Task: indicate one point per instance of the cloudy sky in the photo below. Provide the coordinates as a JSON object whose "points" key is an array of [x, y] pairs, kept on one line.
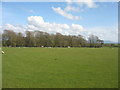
{"points": [[68, 18]]}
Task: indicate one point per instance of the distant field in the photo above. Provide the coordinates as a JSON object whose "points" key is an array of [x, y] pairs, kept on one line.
{"points": [[60, 68]]}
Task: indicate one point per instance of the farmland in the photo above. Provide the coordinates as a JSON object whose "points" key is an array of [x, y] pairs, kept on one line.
{"points": [[60, 68]]}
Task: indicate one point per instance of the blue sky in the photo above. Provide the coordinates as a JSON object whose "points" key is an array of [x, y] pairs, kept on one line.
{"points": [[105, 14], [100, 20]]}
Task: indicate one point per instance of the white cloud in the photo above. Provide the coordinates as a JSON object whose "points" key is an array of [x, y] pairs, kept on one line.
{"points": [[105, 33], [16, 28], [74, 6], [35, 20], [71, 8], [76, 27], [88, 3], [31, 27], [31, 11], [65, 13], [38, 23]]}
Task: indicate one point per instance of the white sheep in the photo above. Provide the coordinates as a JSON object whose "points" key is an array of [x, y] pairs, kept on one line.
{"points": [[3, 52], [68, 46]]}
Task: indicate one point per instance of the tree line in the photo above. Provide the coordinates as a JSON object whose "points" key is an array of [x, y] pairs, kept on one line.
{"points": [[44, 39]]}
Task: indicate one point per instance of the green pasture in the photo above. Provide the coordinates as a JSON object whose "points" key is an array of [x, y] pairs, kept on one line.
{"points": [[60, 68]]}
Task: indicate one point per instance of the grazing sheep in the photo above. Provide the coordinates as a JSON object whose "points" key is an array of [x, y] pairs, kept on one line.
{"points": [[3, 52], [68, 46]]}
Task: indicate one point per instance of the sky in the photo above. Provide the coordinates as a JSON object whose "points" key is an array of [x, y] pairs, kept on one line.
{"points": [[67, 18]]}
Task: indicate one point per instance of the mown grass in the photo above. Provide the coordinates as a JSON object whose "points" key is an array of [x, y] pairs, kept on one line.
{"points": [[60, 68]]}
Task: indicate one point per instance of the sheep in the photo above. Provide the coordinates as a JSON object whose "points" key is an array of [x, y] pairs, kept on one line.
{"points": [[3, 52], [68, 46]]}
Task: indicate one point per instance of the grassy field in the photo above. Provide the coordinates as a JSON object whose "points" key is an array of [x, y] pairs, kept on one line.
{"points": [[60, 68]]}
